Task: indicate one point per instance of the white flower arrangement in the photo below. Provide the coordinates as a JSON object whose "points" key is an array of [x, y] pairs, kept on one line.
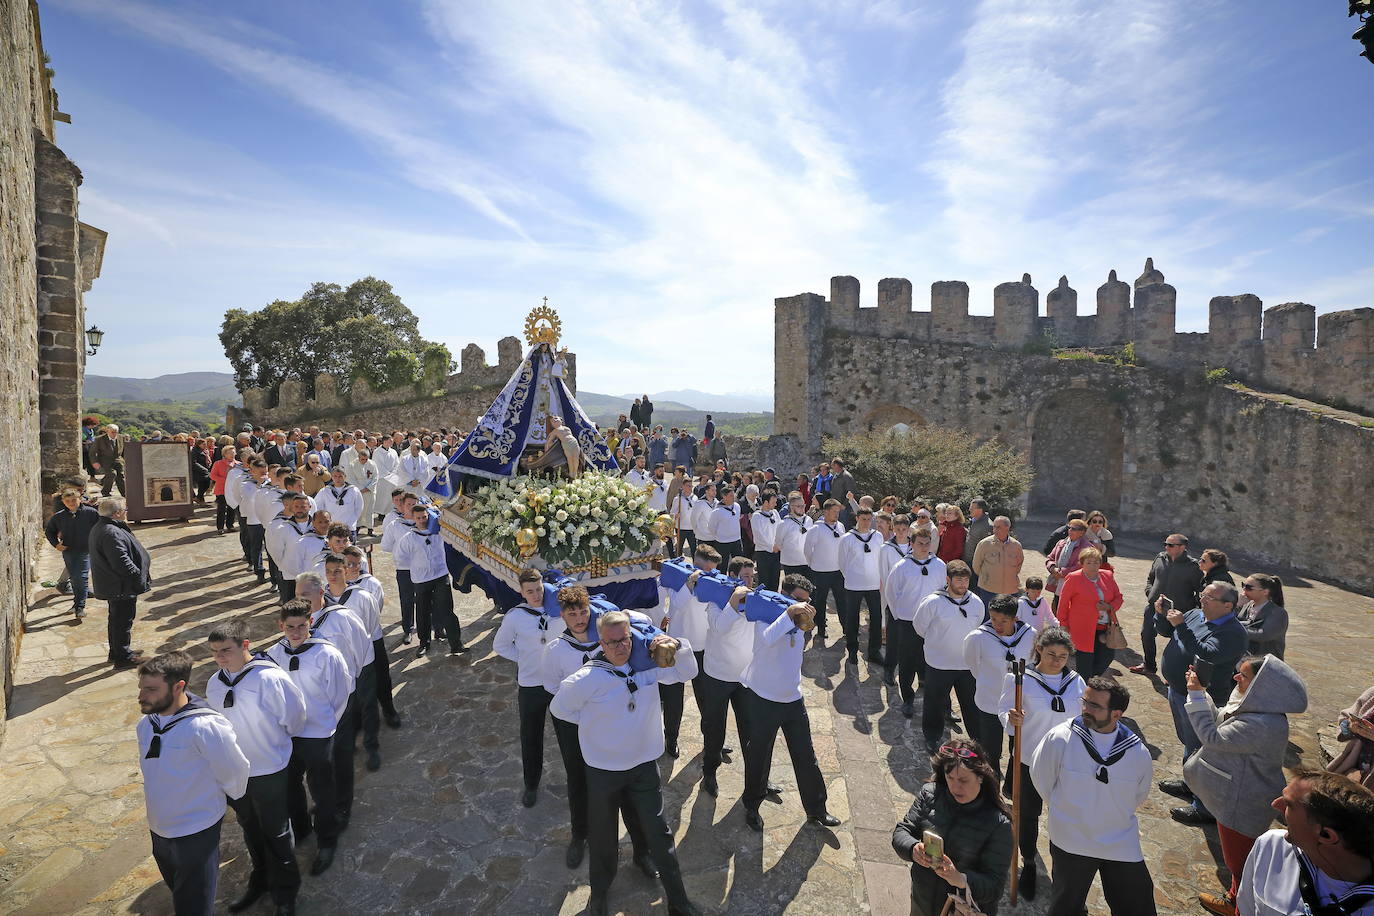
{"points": [[579, 529]]}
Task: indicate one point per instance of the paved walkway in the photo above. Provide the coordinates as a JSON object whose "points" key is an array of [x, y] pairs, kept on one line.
{"points": [[440, 829]]}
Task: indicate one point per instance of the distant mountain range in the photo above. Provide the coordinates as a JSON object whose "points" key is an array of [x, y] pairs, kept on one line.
{"points": [[181, 386]]}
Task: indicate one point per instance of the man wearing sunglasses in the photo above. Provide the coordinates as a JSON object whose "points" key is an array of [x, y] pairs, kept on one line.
{"points": [[1175, 575], [267, 710]]}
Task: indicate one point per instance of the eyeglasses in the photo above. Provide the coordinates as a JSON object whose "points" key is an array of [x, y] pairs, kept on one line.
{"points": [[616, 642], [963, 752], [1173, 544], [1248, 587]]}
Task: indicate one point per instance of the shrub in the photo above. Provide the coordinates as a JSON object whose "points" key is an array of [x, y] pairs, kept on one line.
{"points": [[1218, 376], [1044, 345], [947, 465]]}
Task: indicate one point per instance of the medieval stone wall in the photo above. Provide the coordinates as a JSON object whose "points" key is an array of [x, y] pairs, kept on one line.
{"points": [[1155, 446]]}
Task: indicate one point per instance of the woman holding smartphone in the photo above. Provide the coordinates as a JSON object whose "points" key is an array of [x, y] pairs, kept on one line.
{"points": [[957, 834]]}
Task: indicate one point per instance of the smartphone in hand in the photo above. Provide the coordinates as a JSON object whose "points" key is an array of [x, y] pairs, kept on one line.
{"points": [[935, 845], [1166, 603], [1205, 670]]}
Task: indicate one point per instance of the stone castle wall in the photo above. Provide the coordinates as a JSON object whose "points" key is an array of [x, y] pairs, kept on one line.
{"points": [[1154, 446], [465, 396]]}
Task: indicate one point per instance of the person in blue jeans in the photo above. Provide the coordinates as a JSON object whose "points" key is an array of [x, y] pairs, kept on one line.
{"points": [[69, 530], [1208, 640]]}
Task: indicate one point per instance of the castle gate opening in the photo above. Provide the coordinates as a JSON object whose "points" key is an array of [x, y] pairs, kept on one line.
{"points": [[1076, 450]]}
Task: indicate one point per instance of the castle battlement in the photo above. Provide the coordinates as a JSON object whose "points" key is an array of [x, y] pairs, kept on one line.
{"points": [[1285, 347]]}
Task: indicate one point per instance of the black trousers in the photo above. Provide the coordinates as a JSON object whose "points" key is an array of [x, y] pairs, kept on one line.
{"points": [[265, 817], [939, 682], [1090, 664], [534, 707], [344, 736], [1147, 638], [767, 564], [286, 588], [405, 590], [243, 535], [802, 570], [367, 719], [570, 749], [906, 654], [827, 584], [766, 719], [383, 670], [986, 729], [434, 611], [274, 572], [638, 787], [1032, 806], [113, 478], [1127, 885], [190, 868], [312, 766], [224, 514], [256, 540], [727, 549], [714, 698], [686, 542], [119, 627], [853, 600], [671, 698]]}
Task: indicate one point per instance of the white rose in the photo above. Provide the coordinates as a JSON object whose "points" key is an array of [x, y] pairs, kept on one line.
{"points": [[539, 519], [539, 531], [585, 510], [612, 501], [561, 515]]}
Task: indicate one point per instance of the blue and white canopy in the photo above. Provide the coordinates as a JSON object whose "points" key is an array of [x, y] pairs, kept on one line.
{"points": [[517, 419]]}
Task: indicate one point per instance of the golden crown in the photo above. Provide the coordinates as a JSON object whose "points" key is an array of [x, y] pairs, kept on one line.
{"points": [[543, 326]]}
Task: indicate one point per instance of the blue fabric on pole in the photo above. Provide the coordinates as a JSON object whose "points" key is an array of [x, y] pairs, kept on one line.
{"points": [[766, 606], [715, 588], [674, 573]]}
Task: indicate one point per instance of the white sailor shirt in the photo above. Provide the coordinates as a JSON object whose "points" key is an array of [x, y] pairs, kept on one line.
{"points": [[637, 478], [729, 642], [1037, 615], [344, 503], [859, 560], [911, 582], [523, 637], [687, 617], [422, 554], [248, 491], [393, 527], [944, 623], [233, 485], [309, 550], [823, 546], [988, 654], [373, 586], [792, 539], [658, 496], [563, 655], [282, 534], [267, 710], [889, 556], [725, 524], [683, 504], [195, 765], [1270, 883], [702, 523], [364, 607], [766, 530], [345, 632], [1047, 700], [267, 503], [774, 669], [320, 673]]}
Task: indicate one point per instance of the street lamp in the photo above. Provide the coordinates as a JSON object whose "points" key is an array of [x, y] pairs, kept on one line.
{"points": [[93, 338], [1365, 33]]}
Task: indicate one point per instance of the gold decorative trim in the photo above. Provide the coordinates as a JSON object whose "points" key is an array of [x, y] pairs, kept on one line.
{"points": [[543, 326]]}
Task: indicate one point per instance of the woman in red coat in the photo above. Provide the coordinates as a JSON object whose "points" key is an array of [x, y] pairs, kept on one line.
{"points": [[953, 534], [224, 513], [1088, 601]]}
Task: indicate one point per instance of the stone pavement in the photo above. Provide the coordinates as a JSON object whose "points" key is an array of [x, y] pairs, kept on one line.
{"points": [[440, 829]]}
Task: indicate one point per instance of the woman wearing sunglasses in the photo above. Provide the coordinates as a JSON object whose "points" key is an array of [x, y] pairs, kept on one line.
{"points": [[1264, 616], [963, 806]]}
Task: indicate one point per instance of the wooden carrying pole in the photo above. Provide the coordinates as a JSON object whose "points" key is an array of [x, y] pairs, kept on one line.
{"points": [[1018, 670]]}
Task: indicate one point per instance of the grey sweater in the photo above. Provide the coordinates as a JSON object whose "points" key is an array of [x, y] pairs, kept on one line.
{"points": [[1239, 770]]}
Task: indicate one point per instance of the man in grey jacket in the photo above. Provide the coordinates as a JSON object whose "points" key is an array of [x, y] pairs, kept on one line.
{"points": [[1175, 576], [979, 527], [120, 572]]}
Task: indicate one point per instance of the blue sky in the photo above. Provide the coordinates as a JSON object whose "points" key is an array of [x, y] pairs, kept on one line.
{"points": [[661, 171]]}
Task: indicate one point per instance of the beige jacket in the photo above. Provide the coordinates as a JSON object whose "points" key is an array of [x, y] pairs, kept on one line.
{"points": [[997, 564]]}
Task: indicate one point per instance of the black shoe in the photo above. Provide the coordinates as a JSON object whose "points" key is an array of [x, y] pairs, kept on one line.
{"points": [[406, 639], [670, 748], [771, 789], [80, 614], [529, 797], [754, 820], [908, 709], [262, 576], [874, 658], [249, 897], [420, 652], [646, 865], [324, 858], [853, 658], [460, 650], [286, 909], [374, 761], [1025, 884], [393, 719], [708, 784], [1189, 814], [686, 909], [824, 819], [596, 906], [1177, 788], [120, 664], [576, 849], [890, 677]]}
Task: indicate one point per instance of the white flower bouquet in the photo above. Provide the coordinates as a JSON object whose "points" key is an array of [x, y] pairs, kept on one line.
{"points": [[595, 515]]}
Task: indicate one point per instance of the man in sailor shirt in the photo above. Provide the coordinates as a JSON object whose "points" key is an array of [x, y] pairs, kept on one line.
{"points": [[356, 573], [910, 583], [894, 550], [1323, 863], [1033, 608], [267, 505], [397, 523], [944, 620], [345, 632], [342, 499], [421, 551], [637, 475], [1093, 773], [682, 511], [792, 537], [729, 647], [248, 489], [658, 491], [859, 572], [725, 529], [702, 522], [191, 763], [766, 529], [686, 621], [620, 730], [772, 682], [233, 490], [364, 607], [267, 710], [523, 637], [988, 651], [320, 673], [310, 547], [822, 547], [283, 533]]}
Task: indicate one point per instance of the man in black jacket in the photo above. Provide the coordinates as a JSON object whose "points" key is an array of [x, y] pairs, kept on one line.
{"points": [[1176, 576], [120, 572], [646, 412], [281, 452]]}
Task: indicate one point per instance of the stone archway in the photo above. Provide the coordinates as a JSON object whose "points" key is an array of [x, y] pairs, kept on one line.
{"points": [[886, 416], [1076, 449]]}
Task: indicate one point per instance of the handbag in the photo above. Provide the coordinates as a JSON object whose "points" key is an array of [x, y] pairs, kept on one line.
{"points": [[1113, 637], [959, 903]]}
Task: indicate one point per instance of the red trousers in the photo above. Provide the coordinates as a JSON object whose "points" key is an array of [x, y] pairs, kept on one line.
{"points": [[1235, 849]]}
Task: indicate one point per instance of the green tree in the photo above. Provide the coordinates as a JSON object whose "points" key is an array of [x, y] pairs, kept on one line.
{"points": [[940, 465], [345, 331]]}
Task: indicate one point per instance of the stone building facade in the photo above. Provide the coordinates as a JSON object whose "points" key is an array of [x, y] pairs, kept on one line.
{"points": [[465, 396], [49, 261], [1155, 445]]}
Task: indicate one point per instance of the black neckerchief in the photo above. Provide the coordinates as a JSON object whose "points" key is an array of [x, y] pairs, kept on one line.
{"points": [[864, 540], [232, 682], [801, 521], [1034, 605], [903, 550], [768, 514], [1354, 898], [1125, 740], [339, 498], [731, 508], [832, 529], [324, 615], [1017, 635], [297, 528], [1056, 696], [342, 600], [193, 707], [923, 564], [629, 679], [968, 596], [588, 649], [308, 644], [543, 620]]}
